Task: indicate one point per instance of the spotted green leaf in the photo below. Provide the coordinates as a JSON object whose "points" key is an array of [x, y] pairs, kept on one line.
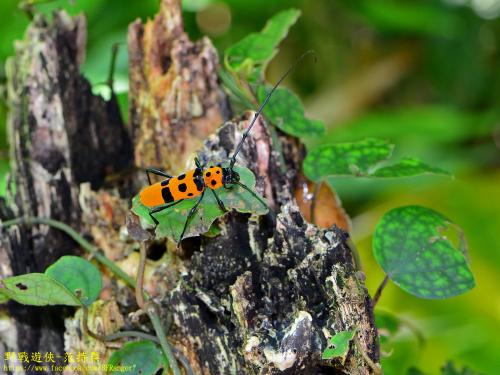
{"points": [[287, 113], [251, 54], [79, 276], [362, 159], [339, 344], [423, 252], [37, 289], [171, 220], [407, 167], [346, 159], [139, 357]]}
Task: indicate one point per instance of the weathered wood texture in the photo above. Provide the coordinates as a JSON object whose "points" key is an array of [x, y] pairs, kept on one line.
{"points": [[60, 136], [175, 97], [261, 298]]}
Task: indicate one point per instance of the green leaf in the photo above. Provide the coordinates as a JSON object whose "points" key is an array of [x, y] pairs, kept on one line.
{"points": [[37, 289], [251, 54], [413, 18], [450, 369], [79, 276], [408, 167], [414, 371], [423, 252], [362, 159], [339, 344], [171, 221], [346, 159], [139, 357], [286, 112], [3, 298]]}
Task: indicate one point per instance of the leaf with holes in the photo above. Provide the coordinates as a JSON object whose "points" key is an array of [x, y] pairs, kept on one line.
{"points": [[79, 276], [423, 252], [251, 54], [339, 344], [346, 159], [37, 289], [171, 220], [287, 113], [139, 357], [408, 167]]}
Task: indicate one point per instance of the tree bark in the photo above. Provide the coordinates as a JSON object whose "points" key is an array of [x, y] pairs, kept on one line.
{"points": [[263, 297]]}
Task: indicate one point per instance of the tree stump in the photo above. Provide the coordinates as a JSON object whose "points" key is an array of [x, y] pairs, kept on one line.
{"points": [[263, 297]]}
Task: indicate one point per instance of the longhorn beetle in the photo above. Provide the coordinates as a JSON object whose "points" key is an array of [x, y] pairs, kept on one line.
{"points": [[173, 190]]}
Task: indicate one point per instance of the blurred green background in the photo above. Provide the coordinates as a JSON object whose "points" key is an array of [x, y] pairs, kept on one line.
{"points": [[422, 74]]}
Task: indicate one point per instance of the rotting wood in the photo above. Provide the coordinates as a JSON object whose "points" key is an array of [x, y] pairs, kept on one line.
{"points": [[60, 136]]}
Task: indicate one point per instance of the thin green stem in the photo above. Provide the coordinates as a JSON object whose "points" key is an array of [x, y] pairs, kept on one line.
{"points": [[111, 74], [113, 336], [86, 245], [380, 288], [374, 366], [167, 350], [139, 294]]}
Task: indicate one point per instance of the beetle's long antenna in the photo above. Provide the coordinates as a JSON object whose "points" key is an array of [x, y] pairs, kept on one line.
{"points": [[245, 135]]}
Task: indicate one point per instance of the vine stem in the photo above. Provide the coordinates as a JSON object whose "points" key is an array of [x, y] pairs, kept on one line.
{"points": [[150, 308], [380, 288], [139, 294], [86, 245], [375, 367], [114, 336], [95, 252]]}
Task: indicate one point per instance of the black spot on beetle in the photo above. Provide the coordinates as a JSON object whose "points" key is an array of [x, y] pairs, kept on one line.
{"points": [[190, 194], [167, 195], [218, 172], [182, 187], [181, 177], [208, 174], [21, 286], [165, 182], [213, 182]]}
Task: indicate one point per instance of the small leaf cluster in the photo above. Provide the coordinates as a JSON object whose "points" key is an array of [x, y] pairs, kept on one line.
{"points": [[71, 281], [74, 281]]}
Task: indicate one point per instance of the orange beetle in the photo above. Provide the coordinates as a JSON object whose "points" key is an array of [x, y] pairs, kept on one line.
{"points": [[194, 183]]}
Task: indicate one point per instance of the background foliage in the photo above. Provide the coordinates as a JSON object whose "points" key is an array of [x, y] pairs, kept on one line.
{"points": [[421, 74]]}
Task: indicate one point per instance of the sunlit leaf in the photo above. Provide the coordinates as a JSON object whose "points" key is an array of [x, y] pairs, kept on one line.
{"points": [[37, 289], [339, 344], [140, 357], [423, 252], [79, 276], [171, 220], [252, 53], [407, 167], [285, 111], [346, 159]]}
